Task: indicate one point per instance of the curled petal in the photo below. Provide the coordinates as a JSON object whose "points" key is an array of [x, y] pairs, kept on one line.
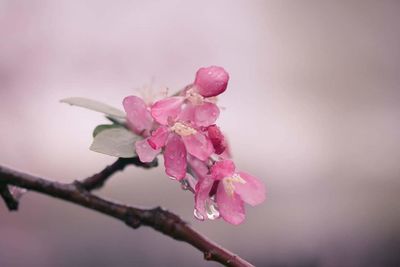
{"points": [[198, 145], [206, 114], [231, 207], [145, 152], [217, 139], [222, 169], [167, 109], [175, 157], [251, 192], [203, 188], [159, 137], [139, 117], [211, 81]]}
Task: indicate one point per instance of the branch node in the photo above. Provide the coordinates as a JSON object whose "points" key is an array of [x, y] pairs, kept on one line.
{"points": [[131, 219], [11, 202], [79, 186], [208, 255]]}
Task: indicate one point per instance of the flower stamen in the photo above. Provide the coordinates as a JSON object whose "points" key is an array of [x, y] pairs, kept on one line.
{"points": [[229, 183], [183, 129]]}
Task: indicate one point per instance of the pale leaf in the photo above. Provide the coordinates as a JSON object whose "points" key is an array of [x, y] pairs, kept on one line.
{"points": [[117, 142], [94, 105]]}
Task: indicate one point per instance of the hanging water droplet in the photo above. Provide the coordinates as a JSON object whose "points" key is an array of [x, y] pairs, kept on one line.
{"points": [[172, 178], [184, 185], [211, 210], [198, 215]]}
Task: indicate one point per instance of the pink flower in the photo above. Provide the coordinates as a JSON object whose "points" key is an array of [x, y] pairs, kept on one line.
{"points": [[233, 188], [141, 122], [200, 108], [198, 98], [179, 137]]}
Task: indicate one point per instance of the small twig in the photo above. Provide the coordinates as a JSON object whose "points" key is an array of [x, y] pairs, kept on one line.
{"points": [[157, 218], [11, 202], [97, 180]]}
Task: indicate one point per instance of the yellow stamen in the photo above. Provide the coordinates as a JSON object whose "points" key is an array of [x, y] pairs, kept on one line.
{"points": [[229, 183], [182, 129]]}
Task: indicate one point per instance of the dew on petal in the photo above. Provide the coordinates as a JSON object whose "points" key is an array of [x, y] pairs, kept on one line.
{"points": [[198, 215]]}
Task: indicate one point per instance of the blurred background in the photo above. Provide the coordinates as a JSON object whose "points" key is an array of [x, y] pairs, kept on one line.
{"points": [[313, 109]]}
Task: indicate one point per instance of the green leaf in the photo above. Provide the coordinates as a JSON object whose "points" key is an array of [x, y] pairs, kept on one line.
{"points": [[95, 105], [102, 127], [115, 141]]}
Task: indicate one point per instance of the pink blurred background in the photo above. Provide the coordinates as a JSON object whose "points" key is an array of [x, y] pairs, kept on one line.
{"points": [[313, 108]]}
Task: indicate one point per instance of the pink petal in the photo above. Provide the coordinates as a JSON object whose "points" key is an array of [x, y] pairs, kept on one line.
{"points": [[253, 191], [222, 169], [199, 167], [145, 152], [159, 137], [231, 207], [187, 114], [203, 188], [217, 139], [198, 145], [165, 109], [206, 114], [139, 117], [211, 81], [175, 157]]}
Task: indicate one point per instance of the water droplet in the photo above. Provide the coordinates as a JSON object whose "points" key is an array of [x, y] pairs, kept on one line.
{"points": [[172, 178], [211, 210], [184, 185], [198, 215]]}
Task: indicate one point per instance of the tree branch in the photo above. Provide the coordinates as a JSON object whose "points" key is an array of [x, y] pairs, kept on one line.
{"points": [[157, 218], [97, 180]]}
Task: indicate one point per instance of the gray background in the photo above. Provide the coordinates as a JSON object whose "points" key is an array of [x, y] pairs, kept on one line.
{"points": [[312, 109]]}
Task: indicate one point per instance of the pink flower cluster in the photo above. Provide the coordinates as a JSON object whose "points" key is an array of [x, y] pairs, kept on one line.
{"points": [[183, 129]]}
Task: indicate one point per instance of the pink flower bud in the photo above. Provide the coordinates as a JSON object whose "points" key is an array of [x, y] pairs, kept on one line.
{"points": [[211, 81], [217, 139]]}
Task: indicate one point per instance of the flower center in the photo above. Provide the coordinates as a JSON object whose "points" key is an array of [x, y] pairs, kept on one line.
{"points": [[182, 129], [194, 97], [229, 183]]}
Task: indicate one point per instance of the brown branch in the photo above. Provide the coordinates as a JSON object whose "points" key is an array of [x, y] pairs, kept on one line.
{"points": [[97, 180], [157, 218]]}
